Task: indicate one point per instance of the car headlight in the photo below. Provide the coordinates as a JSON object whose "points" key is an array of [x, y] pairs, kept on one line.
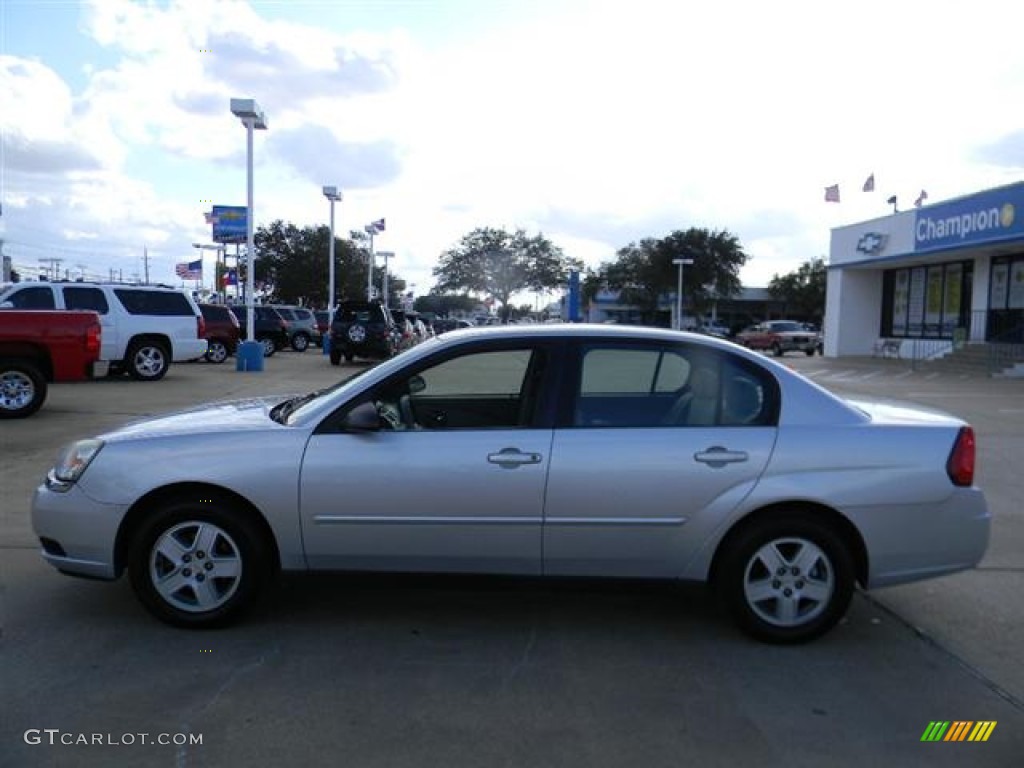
{"points": [[71, 463]]}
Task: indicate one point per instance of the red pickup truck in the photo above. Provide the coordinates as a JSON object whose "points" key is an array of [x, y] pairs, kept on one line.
{"points": [[40, 346]]}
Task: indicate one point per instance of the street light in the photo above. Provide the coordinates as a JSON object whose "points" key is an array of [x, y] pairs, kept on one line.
{"points": [[215, 247], [250, 354], [334, 195], [372, 229], [384, 280], [679, 291]]}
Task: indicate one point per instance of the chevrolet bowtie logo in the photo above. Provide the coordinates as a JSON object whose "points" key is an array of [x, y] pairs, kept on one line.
{"points": [[872, 242]]}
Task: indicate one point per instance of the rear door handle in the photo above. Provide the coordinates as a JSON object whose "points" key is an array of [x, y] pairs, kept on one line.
{"points": [[510, 458], [717, 456]]}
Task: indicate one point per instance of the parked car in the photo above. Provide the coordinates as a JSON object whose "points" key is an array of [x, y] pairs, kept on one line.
{"points": [[145, 327], [302, 329], [222, 332], [712, 328], [323, 323], [556, 450], [38, 347], [779, 337], [362, 329], [271, 330]]}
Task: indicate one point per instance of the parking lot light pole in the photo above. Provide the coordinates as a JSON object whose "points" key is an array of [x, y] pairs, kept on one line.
{"points": [[371, 230], [679, 291], [334, 195], [207, 247], [252, 117], [384, 280]]}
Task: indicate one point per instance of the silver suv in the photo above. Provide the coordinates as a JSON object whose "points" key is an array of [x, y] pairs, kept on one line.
{"points": [[144, 327], [302, 329]]}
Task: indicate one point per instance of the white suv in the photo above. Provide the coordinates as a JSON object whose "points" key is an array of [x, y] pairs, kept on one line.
{"points": [[144, 327]]}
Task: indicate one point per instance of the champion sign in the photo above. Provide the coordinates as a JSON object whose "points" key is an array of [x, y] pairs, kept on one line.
{"points": [[986, 217]]}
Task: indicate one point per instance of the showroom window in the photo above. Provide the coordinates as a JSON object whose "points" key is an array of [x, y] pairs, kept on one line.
{"points": [[924, 302]]}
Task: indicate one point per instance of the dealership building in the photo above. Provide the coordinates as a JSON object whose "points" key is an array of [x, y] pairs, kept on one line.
{"points": [[923, 281]]}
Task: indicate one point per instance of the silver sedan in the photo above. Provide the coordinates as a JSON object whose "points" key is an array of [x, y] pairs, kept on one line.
{"points": [[565, 450]]}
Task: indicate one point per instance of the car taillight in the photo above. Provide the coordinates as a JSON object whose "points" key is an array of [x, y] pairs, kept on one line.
{"points": [[960, 466], [92, 339], [200, 327]]}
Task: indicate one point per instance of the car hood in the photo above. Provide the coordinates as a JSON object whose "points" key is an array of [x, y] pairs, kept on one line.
{"points": [[226, 416], [895, 412]]}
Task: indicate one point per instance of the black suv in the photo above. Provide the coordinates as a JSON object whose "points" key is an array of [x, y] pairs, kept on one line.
{"points": [[361, 329], [271, 329]]}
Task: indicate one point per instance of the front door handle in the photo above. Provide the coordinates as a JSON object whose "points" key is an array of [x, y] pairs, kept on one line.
{"points": [[510, 458], [717, 456]]}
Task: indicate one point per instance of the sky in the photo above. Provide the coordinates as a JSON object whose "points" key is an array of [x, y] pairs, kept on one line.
{"points": [[594, 123]]}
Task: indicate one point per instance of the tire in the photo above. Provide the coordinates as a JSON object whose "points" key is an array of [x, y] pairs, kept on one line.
{"points": [[22, 389], [269, 346], [809, 352], [147, 360], [300, 342], [777, 350], [786, 579], [356, 333], [349, 357], [217, 352], [336, 357], [197, 564]]}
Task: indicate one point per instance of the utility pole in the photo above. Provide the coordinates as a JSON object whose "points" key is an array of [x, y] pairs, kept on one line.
{"points": [[145, 262]]}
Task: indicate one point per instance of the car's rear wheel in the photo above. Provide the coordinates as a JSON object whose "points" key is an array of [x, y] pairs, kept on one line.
{"points": [[300, 342], [809, 352], [776, 350], [147, 360], [786, 579], [22, 389], [217, 351], [196, 564]]}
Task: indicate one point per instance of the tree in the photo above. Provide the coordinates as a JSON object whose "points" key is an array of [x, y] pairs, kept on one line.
{"points": [[643, 272], [295, 260], [444, 304], [803, 291], [498, 264]]}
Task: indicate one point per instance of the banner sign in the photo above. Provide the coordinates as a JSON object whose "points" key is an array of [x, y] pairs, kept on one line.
{"points": [[230, 223], [986, 217]]}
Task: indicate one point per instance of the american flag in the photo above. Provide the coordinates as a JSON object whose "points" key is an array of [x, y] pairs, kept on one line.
{"points": [[189, 270]]}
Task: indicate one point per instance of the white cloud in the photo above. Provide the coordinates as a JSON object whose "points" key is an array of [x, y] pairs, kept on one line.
{"points": [[596, 122]]}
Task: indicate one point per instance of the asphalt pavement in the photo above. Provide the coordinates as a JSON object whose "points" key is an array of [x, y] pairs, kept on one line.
{"points": [[388, 671]]}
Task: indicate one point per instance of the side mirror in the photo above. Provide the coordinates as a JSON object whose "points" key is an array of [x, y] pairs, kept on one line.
{"points": [[416, 384], [362, 418]]}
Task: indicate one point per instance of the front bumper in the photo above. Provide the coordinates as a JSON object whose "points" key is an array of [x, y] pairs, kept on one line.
{"points": [[77, 533]]}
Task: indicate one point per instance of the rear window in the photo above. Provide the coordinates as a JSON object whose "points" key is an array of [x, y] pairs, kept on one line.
{"points": [[164, 303], [215, 314]]}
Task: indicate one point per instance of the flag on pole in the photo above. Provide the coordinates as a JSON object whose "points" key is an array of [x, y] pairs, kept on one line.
{"points": [[189, 270], [920, 199], [230, 277], [832, 194], [378, 225], [869, 183]]}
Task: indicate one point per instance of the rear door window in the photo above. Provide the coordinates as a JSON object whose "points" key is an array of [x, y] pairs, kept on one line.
{"points": [[84, 297], [162, 303]]}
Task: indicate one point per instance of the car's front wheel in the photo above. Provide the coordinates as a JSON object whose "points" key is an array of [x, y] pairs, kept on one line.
{"points": [[777, 350], [269, 346], [786, 579], [300, 342], [197, 564]]}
